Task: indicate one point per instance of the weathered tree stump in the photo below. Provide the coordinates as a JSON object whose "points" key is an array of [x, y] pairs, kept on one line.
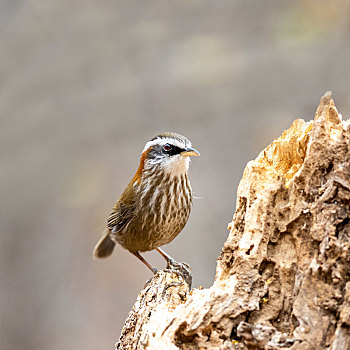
{"points": [[283, 276]]}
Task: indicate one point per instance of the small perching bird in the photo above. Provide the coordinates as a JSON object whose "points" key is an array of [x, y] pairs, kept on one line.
{"points": [[155, 206]]}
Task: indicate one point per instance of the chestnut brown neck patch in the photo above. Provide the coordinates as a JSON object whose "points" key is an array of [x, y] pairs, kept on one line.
{"points": [[138, 174]]}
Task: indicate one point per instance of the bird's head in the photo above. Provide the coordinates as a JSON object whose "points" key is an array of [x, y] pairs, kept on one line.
{"points": [[168, 152]]}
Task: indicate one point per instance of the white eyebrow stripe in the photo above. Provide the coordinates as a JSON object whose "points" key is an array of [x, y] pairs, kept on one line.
{"points": [[162, 142]]}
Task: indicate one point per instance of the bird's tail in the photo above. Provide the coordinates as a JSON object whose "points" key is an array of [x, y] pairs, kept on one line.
{"points": [[104, 246]]}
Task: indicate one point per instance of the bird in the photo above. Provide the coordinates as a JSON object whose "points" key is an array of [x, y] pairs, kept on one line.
{"points": [[156, 204]]}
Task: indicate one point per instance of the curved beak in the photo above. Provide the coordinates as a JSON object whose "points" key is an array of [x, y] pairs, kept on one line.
{"points": [[190, 152]]}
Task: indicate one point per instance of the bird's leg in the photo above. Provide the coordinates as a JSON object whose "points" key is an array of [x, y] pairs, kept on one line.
{"points": [[180, 268], [164, 255], [139, 256]]}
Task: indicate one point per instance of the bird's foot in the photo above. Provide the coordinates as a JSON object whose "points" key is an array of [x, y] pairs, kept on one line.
{"points": [[182, 269], [154, 270]]}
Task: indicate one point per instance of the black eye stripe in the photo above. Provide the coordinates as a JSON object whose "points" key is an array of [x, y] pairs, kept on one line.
{"points": [[171, 150], [157, 151]]}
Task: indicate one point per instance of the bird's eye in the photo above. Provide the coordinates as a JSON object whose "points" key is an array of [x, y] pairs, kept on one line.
{"points": [[167, 147]]}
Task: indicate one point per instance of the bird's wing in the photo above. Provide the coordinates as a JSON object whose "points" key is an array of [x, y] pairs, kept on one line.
{"points": [[123, 211], [120, 217]]}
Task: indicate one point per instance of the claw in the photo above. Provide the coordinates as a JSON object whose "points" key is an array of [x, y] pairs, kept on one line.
{"points": [[181, 269]]}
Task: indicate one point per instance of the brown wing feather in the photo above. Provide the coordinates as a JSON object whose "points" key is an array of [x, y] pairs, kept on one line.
{"points": [[123, 210], [120, 217]]}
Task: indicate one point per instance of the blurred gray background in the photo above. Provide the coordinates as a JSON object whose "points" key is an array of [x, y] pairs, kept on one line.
{"points": [[84, 85]]}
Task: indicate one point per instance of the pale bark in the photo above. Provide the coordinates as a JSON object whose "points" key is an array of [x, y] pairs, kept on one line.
{"points": [[283, 276]]}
